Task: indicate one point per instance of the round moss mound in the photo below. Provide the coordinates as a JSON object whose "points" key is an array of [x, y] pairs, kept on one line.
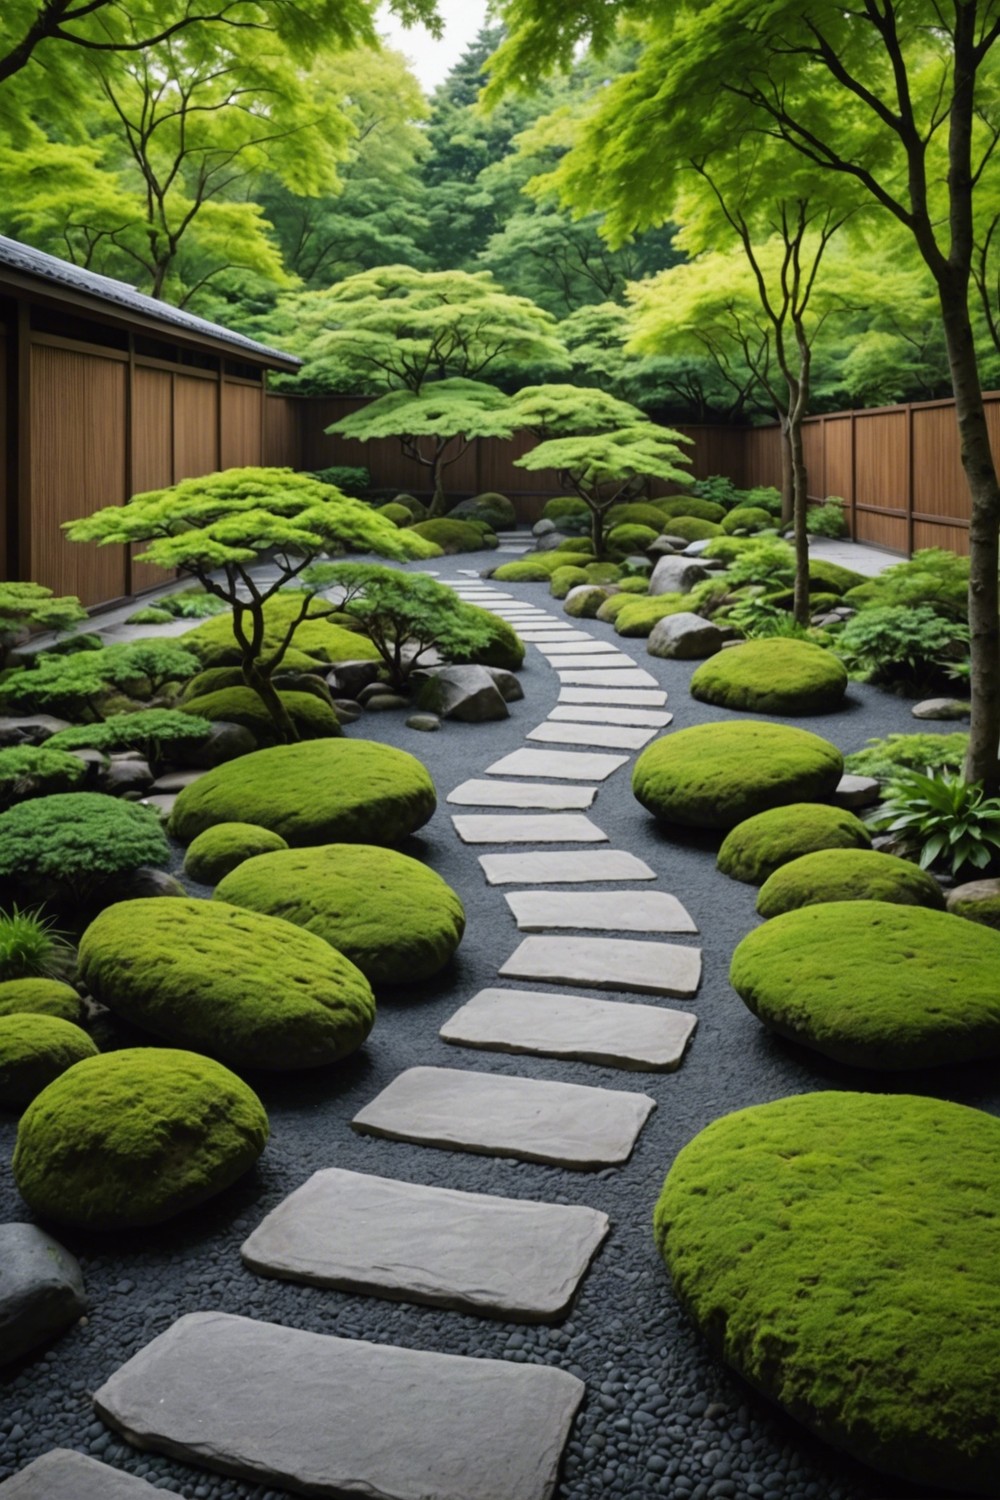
{"points": [[132, 1138], [691, 506], [718, 775], [39, 997], [399, 515], [525, 572], [455, 536], [749, 518], [691, 528], [843, 874], [875, 985], [33, 1051], [839, 1251], [583, 602], [564, 579], [390, 915], [504, 648], [63, 846], [758, 847], [313, 719], [36, 771], [319, 792], [772, 677], [218, 850], [250, 989]]}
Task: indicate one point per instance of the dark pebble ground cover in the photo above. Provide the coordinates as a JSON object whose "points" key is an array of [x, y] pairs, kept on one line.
{"points": [[662, 1416]]}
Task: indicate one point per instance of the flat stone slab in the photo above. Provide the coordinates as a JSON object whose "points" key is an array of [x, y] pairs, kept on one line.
{"points": [[523, 794], [587, 647], [642, 1038], [538, 828], [560, 765], [857, 791], [583, 713], [616, 663], [599, 911], [333, 1417], [608, 736], [631, 676], [608, 964], [631, 698], [65, 1475], [521, 1261], [492, 1114], [597, 866]]}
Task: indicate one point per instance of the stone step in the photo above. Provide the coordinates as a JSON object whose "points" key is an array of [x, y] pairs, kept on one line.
{"points": [[532, 828], [583, 713], [66, 1475], [616, 663], [523, 794], [642, 1038], [615, 677], [586, 647], [608, 964], [560, 765], [629, 698], [576, 867], [606, 736], [599, 911], [493, 1114], [497, 1257], [333, 1417]]}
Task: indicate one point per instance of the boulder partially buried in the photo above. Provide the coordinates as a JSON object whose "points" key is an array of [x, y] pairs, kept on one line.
{"points": [[773, 677], [684, 637], [33, 1051], [847, 875], [753, 850], [40, 997], [467, 693], [41, 1290]]}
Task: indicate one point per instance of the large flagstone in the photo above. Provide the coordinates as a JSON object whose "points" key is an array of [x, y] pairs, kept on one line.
{"points": [[531, 828], [586, 647], [523, 794], [585, 713], [599, 911], [628, 698], [605, 736], [561, 765], [613, 677], [66, 1475], [608, 964], [576, 867]]}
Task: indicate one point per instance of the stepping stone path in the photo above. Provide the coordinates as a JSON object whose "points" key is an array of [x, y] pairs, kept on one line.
{"points": [[610, 736], [65, 1475], [557, 828], [491, 1114], [561, 765], [523, 794], [613, 677], [640, 698], [645, 1038], [502, 1257], [608, 964], [338, 1417], [599, 911], [586, 647], [596, 867], [582, 713]]}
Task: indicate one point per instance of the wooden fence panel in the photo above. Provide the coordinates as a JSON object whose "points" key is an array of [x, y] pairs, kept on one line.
{"points": [[762, 457], [152, 451], [196, 427], [242, 438], [283, 432], [838, 466]]}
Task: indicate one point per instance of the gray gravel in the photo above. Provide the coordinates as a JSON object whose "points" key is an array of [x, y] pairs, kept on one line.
{"points": [[663, 1416]]}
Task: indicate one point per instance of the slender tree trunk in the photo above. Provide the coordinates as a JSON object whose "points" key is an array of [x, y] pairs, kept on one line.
{"points": [[800, 540], [438, 506], [259, 679], [597, 531], [787, 476]]}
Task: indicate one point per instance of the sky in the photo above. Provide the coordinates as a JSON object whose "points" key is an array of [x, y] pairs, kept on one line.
{"points": [[431, 60]]}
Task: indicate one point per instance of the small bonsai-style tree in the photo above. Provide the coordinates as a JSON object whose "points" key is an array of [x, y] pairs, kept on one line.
{"points": [[218, 527], [79, 686], [30, 606]]}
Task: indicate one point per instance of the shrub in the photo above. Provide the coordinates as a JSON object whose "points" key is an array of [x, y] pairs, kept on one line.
{"points": [[765, 562], [763, 497], [158, 734], [217, 851], [40, 997], [909, 752], [311, 718], [748, 518], [842, 874], [691, 528], [62, 846], [942, 820], [31, 606], [901, 645], [350, 479], [718, 489], [691, 506], [753, 850], [637, 616], [564, 579], [186, 604], [831, 576], [933, 577], [34, 1050], [316, 638], [504, 647], [35, 771], [454, 536], [79, 686], [827, 519], [772, 676], [32, 947]]}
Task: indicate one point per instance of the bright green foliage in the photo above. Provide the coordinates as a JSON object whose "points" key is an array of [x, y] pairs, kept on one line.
{"points": [[748, 518], [191, 604], [639, 513], [80, 685], [251, 989], [584, 605], [217, 851], [691, 528], [842, 874], [134, 1137], [912, 752], [564, 579], [633, 586], [638, 616], [33, 947], [801, 1238], [150, 615], [826, 520], [772, 561], [901, 645], [35, 771], [933, 578], [874, 984], [311, 718], [943, 820], [690, 505], [718, 775], [537, 570], [63, 846], [159, 734], [602, 572], [579, 546], [34, 1050], [562, 506], [772, 676], [39, 997], [30, 606], [454, 536], [753, 850], [319, 792], [390, 915], [830, 576], [612, 608], [314, 638]]}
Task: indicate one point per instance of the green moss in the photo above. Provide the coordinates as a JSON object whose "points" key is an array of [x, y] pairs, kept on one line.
{"points": [[564, 579], [318, 792], [637, 616], [399, 515], [749, 518], [874, 984], [839, 1251], [633, 586], [641, 513], [535, 571], [843, 874], [691, 506], [35, 1049], [504, 647], [54, 846], [157, 733], [389, 914], [134, 1137], [250, 989], [691, 528], [909, 752], [977, 901], [455, 536], [562, 506], [217, 851], [603, 572], [37, 771], [315, 640], [831, 577], [718, 775], [584, 605], [622, 541], [612, 608], [579, 546], [151, 614], [313, 719], [39, 997], [772, 676], [493, 509], [761, 845]]}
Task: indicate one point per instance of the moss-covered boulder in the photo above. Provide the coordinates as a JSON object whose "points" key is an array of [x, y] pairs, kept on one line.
{"points": [[535, 570], [583, 601], [718, 775], [218, 850], [747, 518], [318, 792], [389, 914], [692, 506], [772, 676], [504, 648], [39, 997], [564, 579], [492, 509], [626, 539], [636, 618], [312, 718], [399, 515], [455, 536], [691, 528], [874, 984], [249, 989], [565, 507], [316, 639], [977, 900], [648, 513], [135, 1137], [831, 577], [839, 1251], [612, 608], [33, 1051], [843, 874], [755, 849]]}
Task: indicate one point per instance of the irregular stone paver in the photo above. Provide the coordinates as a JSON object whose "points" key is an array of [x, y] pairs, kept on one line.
{"points": [[615, 677], [540, 828], [41, 1290], [523, 794], [502, 1257], [608, 964], [587, 647], [546, 635], [582, 713], [643, 1038], [339, 1417], [561, 765], [492, 1114], [599, 911], [634, 698], [617, 663], [576, 868], [857, 791], [610, 736], [65, 1475]]}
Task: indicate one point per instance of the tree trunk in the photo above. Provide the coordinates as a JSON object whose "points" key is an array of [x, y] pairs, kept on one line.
{"points": [[438, 507], [800, 491], [597, 531], [787, 477], [259, 679]]}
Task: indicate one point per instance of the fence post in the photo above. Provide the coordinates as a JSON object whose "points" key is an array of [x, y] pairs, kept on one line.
{"points": [[909, 479], [854, 477]]}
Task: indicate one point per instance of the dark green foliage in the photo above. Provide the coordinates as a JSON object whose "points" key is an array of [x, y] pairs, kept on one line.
{"points": [[772, 676], [830, 576], [909, 752], [32, 947], [347, 479], [35, 771], [504, 647], [718, 489], [826, 520], [899, 645], [753, 850], [454, 536], [30, 606], [79, 686], [60, 847], [847, 875], [943, 821], [34, 1050], [311, 718], [159, 734], [187, 604]]}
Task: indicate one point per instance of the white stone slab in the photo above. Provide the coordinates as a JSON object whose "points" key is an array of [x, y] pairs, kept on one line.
{"points": [[643, 1038], [532, 828], [502, 1257], [523, 794], [586, 647], [608, 964], [469, 573], [593, 867], [604, 736], [547, 635], [334, 1417], [617, 663], [561, 765], [629, 697], [66, 1475], [599, 911], [614, 677], [584, 713], [492, 1114]]}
